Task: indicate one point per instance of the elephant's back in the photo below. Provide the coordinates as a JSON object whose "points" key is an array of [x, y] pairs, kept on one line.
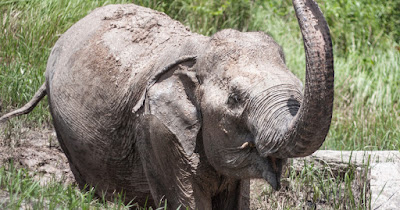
{"points": [[116, 44], [95, 74]]}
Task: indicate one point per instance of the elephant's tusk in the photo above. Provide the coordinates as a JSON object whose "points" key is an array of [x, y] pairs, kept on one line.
{"points": [[247, 144], [244, 145]]}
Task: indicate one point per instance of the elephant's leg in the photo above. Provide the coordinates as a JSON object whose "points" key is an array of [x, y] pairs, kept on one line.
{"points": [[244, 198], [168, 170], [235, 196], [77, 174]]}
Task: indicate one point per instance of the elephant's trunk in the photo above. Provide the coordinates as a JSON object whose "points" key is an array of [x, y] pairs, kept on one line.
{"points": [[302, 134], [307, 131]]}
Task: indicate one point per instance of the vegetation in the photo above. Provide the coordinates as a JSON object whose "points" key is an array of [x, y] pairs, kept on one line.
{"points": [[366, 40], [320, 186], [18, 189]]}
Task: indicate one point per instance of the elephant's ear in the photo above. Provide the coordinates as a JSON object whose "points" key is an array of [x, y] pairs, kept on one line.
{"points": [[165, 163], [171, 98]]}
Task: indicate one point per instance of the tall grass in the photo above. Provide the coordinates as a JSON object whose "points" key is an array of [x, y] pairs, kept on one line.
{"points": [[366, 48], [19, 190], [28, 30]]}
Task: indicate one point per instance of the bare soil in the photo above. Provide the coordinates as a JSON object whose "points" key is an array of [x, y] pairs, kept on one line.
{"points": [[38, 151]]}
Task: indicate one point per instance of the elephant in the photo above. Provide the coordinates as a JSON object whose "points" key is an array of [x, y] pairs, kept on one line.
{"points": [[140, 104]]}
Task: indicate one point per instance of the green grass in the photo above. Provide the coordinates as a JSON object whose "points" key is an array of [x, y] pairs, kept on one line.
{"points": [[18, 189]]}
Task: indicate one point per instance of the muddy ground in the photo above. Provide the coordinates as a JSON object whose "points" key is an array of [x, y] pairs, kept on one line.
{"points": [[38, 151]]}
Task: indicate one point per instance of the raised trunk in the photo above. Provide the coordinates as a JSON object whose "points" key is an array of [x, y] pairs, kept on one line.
{"points": [[308, 129]]}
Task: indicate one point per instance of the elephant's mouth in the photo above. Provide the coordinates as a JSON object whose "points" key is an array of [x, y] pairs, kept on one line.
{"points": [[271, 167], [247, 159], [268, 168], [273, 177]]}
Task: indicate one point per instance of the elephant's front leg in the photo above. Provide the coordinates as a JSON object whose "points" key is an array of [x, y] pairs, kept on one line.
{"points": [[169, 171], [235, 195]]}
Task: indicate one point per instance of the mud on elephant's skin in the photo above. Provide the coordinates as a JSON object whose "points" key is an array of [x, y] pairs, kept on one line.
{"points": [[143, 105]]}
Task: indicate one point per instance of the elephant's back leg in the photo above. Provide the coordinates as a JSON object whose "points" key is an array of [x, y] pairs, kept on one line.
{"points": [[101, 156], [110, 175]]}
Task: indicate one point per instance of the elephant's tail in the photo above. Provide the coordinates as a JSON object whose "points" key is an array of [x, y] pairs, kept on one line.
{"points": [[27, 107]]}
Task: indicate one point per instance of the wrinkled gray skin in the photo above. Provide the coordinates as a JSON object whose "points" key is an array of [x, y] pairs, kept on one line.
{"points": [[143, 105]]}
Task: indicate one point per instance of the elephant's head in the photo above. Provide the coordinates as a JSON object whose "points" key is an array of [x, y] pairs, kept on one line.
{"points": [[248, 108]]}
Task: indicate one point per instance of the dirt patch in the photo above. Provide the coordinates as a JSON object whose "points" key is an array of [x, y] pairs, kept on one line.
{"points": [[38, 151]]}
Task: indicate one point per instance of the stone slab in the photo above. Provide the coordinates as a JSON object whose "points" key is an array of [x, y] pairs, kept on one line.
{"points": [[385, 186], [357, 157]]}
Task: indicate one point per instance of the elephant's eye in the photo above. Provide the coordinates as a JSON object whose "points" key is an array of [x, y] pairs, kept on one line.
{"points": [[234, 100]]}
